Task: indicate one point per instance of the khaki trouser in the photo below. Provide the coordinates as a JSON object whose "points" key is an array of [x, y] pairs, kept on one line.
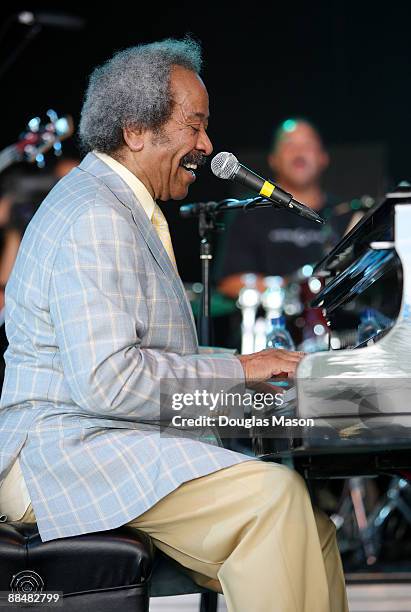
{"points": [[250, 532]]}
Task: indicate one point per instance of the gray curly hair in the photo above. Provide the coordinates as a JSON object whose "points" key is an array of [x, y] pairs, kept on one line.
{"points": [[133, 89]]}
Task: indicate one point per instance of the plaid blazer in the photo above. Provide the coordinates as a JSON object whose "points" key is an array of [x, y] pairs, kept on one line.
{"points": [[95, 316]]}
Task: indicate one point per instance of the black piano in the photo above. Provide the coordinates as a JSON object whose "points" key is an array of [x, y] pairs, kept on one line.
{"points": [[352, 403]]}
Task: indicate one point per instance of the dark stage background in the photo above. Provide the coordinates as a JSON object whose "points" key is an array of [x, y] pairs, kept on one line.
{"points": [[344, 66]]}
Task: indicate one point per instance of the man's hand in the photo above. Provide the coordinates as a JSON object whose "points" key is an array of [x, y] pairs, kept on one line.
{"points": [[262, 366]]}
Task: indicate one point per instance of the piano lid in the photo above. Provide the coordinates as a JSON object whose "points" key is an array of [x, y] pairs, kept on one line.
{"points": [[356, 278], [377, 225]]}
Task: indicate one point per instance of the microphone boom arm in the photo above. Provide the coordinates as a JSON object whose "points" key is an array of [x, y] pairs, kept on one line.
{"points": [[188, 211]]}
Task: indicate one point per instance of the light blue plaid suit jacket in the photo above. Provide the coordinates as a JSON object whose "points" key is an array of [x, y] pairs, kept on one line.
{"points": [[96, 316]]}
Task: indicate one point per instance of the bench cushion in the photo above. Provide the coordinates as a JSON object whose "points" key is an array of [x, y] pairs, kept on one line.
{"points": [[94, 571]]}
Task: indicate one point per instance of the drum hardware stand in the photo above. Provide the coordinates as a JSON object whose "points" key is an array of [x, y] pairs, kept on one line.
{"points": [[254, 330], [248, 302], [352, 515], [370, 528], [273, 298], [260, 334], [391, 501], [357, 495]]}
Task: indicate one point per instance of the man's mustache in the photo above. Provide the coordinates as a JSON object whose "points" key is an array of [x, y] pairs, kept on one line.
{"points": [[194, 157]]}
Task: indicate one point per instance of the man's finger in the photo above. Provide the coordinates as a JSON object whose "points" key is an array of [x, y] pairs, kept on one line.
{"points": [[286, 366]]}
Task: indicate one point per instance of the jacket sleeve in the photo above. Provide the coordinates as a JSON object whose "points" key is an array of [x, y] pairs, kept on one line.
{"points": [[99, 311]]}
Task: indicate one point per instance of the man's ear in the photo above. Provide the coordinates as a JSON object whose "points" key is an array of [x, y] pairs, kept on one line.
{"points": [[134, 138], [325, 160]]}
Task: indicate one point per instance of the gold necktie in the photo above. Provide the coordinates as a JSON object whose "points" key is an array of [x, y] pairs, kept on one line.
{"points": [[161, 226]]}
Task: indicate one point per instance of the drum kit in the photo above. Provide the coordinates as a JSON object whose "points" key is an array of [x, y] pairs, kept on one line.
{"points": [[289, 297], [283, 296]]}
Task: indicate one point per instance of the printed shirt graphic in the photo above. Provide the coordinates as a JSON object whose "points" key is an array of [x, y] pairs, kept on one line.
{"points": [[276, 242]]}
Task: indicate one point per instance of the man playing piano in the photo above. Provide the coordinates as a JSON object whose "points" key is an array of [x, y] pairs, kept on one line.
{"points": [[97, 315]]}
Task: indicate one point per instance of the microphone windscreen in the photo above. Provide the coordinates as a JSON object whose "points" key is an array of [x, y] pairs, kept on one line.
{"points": [[224, 165]]}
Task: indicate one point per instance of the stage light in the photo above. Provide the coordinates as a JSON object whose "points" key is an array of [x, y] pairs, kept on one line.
{"points": [[289, 125]]}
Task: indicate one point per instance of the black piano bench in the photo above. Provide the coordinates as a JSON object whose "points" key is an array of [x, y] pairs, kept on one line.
{"points": [[97, 572], [107, 571]]}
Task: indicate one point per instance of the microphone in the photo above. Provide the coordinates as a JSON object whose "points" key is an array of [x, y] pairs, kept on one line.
{"points": [[226, 166], [53, 20]]}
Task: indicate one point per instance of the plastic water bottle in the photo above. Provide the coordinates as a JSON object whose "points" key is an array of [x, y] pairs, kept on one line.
{"points": [[369, 326], [279, 337]]}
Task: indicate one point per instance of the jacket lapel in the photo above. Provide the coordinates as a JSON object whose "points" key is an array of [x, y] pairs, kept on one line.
{"points": [[92, 164]]}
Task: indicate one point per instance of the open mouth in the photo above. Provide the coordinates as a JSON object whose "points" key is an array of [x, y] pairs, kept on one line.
{"points": [[192, 162], [191, 168], [299, 162]]}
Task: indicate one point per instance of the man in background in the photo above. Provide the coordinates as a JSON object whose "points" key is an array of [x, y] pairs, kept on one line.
{"points": [[276, 242]]}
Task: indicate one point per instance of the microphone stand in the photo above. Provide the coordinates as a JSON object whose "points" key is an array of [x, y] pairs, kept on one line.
{"points": [[206, 213], [30, 35], [207, 227]]}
